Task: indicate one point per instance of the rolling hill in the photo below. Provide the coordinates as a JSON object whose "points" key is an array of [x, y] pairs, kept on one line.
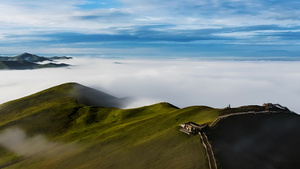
{"points": [[105, 136], [74, 126]]}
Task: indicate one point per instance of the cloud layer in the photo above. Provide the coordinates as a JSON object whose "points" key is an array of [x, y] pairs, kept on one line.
{"points": [[182, 82]]}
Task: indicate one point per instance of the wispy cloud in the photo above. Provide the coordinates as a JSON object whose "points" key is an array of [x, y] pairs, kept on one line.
{"points": [[136, 21]]}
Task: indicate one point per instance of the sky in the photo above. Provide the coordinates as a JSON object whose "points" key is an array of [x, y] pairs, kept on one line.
{"points": [[151, 28]]}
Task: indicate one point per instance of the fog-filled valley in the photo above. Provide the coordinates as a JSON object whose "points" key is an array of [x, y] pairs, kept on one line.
{"points": [[182, 82]]}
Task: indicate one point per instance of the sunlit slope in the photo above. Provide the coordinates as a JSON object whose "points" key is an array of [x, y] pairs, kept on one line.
{"points": [[64, 98], [56, 102], [106, 137]]}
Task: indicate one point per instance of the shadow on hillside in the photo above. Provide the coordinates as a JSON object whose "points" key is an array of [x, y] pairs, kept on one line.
{"points": [[257, 141]]}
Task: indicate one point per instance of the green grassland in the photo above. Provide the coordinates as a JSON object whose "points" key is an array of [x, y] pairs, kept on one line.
{"points": [[105, 137]]}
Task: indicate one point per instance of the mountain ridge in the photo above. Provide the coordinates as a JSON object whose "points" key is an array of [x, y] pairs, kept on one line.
{"points": [[107, 136], [116, 135], [30, 57]]}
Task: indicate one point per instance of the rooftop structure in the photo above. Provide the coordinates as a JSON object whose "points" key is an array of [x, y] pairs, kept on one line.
{"points": [[191, 128]]}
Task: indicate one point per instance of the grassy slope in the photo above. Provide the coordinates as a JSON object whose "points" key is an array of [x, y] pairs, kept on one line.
{"points": [[146, 137], [46, 112], [53, 104]]}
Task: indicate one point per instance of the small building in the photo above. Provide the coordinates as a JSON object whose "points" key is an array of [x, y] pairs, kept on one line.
{"points": [[191, 128], [275, 107], [268, 106]]}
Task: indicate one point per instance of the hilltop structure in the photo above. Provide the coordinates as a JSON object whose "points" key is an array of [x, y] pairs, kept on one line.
{"points": [[274, 107], [191, 128]]}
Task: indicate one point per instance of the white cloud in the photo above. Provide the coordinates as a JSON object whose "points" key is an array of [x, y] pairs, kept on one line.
{"points": [[180, 82], [29, 17]]}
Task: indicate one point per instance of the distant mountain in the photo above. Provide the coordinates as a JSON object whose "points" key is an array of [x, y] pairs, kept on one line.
{"points": [[22, 65], [25, 57], [59, 57], [29, 61], [30, 58], [93, 131], [17, 65]]}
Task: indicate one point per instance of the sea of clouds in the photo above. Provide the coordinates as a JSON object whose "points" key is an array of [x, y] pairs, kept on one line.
{"points": [[182, 82]]}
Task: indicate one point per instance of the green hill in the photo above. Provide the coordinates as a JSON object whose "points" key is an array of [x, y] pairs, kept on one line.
{"points": [[105, 136], [74, 126]]}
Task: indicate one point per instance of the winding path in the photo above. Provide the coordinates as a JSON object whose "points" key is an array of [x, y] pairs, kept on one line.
{"points": [[209, 151], [240, 113]]}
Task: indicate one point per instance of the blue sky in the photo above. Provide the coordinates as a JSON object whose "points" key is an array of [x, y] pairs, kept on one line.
{"points": [[152, 28]]}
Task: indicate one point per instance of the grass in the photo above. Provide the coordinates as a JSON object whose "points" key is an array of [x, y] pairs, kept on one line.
{"points": [[145, 137], [7, 156]]}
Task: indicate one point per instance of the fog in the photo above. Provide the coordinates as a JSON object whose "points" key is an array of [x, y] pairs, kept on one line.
{"points": [[182, 82], [17, 141]]}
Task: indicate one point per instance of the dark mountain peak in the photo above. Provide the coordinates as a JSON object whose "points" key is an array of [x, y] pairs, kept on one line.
{"points": [[30, 57], [25, 53], [92, 97], [83, 95]]}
